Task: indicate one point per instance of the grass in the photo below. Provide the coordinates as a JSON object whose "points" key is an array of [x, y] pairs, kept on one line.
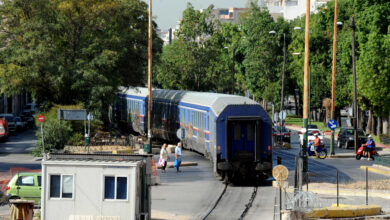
{"points": [[293, 120]]}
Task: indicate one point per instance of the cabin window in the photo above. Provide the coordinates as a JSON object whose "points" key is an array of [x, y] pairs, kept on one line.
{"points": [[61, 186], [115, 187]]}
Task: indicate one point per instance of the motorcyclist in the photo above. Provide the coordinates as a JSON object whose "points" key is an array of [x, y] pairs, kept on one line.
{"points": [[368, 147], [317, 143]]}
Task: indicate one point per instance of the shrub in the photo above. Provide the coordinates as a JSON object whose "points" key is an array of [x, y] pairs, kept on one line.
{"points": [[56, 134], [76, 139]]}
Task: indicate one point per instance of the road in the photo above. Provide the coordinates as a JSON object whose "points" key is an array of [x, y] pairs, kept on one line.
{"points": [[326, 170], [191, 194], [16, 153]]}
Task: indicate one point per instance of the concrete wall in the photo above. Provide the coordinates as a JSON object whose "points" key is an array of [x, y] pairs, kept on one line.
{"points": [[89, 192]]}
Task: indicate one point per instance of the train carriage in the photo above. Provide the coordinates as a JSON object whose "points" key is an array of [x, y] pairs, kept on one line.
{"points": [[234, 132]]}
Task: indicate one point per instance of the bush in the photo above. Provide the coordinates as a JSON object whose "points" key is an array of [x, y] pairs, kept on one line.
{"points": [[56, 134], [77, 139]]}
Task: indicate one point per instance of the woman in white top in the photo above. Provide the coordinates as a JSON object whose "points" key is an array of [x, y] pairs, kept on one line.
{"points": [[164, 157]]}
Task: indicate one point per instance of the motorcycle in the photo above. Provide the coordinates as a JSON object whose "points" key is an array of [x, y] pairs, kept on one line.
{"points": [[322, 151], [359, 153]]}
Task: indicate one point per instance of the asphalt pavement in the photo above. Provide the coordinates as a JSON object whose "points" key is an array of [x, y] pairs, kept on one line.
{"points": [[16, 153], [323, 178], [191, 193]]}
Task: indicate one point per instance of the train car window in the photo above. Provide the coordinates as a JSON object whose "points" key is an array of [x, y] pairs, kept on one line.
{"points": [[250, 133], [237, 132]]}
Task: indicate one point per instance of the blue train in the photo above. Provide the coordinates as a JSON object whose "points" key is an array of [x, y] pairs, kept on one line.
{"points": [[234, 132]]}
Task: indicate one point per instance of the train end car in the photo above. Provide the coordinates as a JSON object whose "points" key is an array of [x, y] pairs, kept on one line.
{"points": [[243, 137], [234, 132]]}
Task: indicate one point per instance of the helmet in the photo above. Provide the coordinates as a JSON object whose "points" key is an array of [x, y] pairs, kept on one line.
{"points": [[369, 137]]}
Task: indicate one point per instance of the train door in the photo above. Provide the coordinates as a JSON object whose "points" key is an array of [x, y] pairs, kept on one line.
{"points": [[243, 137]]}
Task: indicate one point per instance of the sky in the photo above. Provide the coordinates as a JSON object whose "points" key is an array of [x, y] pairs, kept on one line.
{"points": [[167, 12]]}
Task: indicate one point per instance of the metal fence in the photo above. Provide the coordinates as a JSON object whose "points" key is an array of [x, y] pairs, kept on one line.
{"points": [[325, 189]]}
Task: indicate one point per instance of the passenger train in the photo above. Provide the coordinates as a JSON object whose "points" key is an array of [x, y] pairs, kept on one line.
{"points": [[234, 132]]}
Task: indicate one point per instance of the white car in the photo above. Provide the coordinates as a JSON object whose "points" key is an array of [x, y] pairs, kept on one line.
{"points": [[310, 135]]}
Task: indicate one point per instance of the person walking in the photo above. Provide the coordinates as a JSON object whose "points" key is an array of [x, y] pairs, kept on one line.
{"points": [[178, 156], [163, 158]]}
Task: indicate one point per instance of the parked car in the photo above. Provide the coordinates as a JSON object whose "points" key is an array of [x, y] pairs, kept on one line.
{"points": [[281, 132], [310, 135], [3, 130], [25, 186], [20, 124], [30, 108], [346, 138], [10, 121], [28, 119]]}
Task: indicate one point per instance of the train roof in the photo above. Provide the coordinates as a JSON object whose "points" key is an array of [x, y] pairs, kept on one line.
{"points": [[216, 101]]}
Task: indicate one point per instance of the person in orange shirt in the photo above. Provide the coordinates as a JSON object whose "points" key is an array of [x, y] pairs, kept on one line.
{"points": [[317, 143]]}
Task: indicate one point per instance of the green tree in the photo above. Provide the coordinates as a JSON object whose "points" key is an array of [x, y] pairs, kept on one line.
{"points": [[69, 51], [191, 61], [263, 54]]}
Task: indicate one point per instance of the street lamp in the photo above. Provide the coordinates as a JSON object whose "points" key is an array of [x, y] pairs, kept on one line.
{"points": [[284, 69]]}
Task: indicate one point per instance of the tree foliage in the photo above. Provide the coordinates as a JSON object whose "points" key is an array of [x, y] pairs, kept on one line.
{"points": [[191, 62], [70, 51], [201, 56]]}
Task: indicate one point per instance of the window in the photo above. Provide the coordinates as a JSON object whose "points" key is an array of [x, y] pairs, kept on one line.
{"points": [[115, 187], [25, 181], [39, 180], [61, 186]]}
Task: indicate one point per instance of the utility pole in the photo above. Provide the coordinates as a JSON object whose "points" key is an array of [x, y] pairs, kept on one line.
{"points": [[150, 80], [333, 75], [355, 110], [306, 88], [284, 69]]}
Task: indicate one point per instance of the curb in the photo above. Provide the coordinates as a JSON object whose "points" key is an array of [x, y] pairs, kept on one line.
{"points": [[376, 170], [183, 164], [341, 156], [345, 192], [344, 211]]}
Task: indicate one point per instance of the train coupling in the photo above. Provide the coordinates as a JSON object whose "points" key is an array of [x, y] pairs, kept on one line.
{"points": [[224, 166], [263, 166]]}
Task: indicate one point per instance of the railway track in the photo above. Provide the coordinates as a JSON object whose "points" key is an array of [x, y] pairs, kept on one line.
{"points": [[231, 190]]}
